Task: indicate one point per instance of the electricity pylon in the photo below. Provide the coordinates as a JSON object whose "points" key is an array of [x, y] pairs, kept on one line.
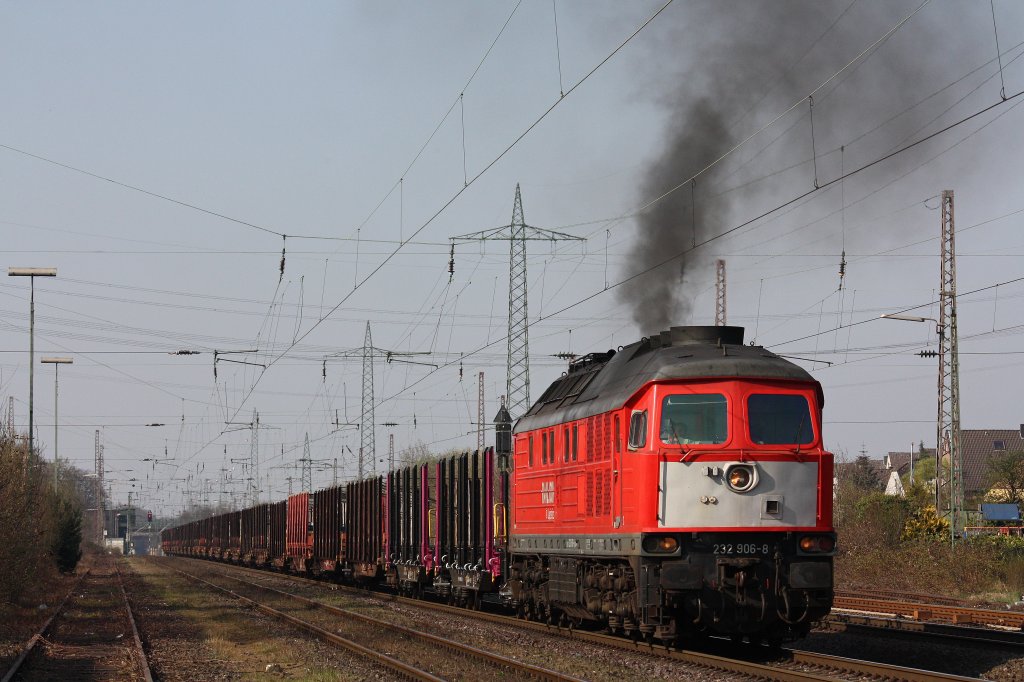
{"points": [[517, 233]]}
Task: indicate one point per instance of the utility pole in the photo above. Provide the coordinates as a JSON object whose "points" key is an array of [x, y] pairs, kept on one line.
{"points": [[517, 233], [10, 415], [391, 452], [947, 443], [720, 293], [100, 519]]}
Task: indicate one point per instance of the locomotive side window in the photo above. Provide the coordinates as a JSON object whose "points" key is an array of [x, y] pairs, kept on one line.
{"points": [[638, 429], [544, 448], [565, 444], [529, 449], [779, 419], [575, 441], [694, 419], [618, 435]]}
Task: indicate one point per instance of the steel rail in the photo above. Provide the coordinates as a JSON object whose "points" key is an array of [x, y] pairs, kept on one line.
{"points": [[458, 647], [898, 595], [140, 652], [776, 671], [38, 636], [700, 659], [400, 667], [916, 630], [917, 611]]}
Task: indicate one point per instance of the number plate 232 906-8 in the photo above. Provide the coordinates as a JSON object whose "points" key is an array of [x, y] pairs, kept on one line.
{"points": [[740, 549]]}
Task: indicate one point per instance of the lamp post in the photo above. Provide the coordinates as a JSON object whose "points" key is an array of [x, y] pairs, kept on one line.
{"points": [[31, 273], [56, 362]]}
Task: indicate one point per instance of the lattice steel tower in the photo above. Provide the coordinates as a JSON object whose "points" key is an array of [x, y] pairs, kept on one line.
{"points": [[367, 434], [307, 467], [947, 442], [254, 458], [517, 233], [719, 293]]}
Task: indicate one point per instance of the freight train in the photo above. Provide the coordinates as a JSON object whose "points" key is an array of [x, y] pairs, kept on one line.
{"points": [[676, 487]]}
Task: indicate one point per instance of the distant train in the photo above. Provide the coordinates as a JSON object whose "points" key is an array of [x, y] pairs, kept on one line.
{"points": [[675, 488]]}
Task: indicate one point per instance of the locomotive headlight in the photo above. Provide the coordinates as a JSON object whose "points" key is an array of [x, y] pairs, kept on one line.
{"points": [[740, 477]]}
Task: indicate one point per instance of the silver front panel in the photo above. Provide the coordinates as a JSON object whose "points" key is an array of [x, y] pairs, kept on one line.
{"points": [[695, 494]]}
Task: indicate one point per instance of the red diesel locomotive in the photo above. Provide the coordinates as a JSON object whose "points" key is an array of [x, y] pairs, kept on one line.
{"points": [[679, 485], [676, 487]]}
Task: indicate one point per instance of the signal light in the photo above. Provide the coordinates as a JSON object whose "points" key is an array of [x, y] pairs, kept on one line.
{"points": [[149, 516]]}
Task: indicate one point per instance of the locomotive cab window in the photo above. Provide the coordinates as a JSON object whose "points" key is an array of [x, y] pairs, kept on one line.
{"points": [[694, 419], [779, 419], [638, 429]]}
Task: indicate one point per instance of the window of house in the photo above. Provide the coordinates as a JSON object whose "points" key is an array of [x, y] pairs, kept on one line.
{"points": [[998, 445]]}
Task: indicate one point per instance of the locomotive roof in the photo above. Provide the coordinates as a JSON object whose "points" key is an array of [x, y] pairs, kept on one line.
{"points": [[599, 382]]}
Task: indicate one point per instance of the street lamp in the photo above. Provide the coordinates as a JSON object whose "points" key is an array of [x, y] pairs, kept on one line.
{"points": [[31, 273], [948, 421], [56, 362], [913, 318]]}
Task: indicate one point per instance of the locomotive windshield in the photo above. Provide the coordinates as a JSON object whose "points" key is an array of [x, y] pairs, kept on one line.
{"points": [[779, 419], [694, 418]]}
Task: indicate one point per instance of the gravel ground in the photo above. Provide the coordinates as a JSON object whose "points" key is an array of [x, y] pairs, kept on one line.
{"points": [[598, 663], [192, 634], [577, 658], [18, 622]]}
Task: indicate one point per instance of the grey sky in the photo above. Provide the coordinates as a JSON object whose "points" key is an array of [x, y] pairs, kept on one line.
{"points": [[301, 118]]}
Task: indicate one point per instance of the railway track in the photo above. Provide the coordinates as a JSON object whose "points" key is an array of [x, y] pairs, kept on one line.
{"points": [[957, 615], [84, 639], [460, 660], [898, 595], [786, 664]]}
